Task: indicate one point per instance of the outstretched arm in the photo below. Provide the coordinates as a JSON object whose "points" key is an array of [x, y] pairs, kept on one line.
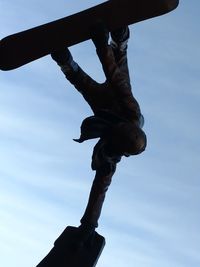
{"points": [[105, 167]]}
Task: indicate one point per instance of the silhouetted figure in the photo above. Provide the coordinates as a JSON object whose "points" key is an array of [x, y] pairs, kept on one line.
{"points": [[117, 118]]}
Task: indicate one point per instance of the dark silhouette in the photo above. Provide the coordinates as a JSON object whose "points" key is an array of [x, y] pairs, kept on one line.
{"points": [[117, 118], [117, 122]]}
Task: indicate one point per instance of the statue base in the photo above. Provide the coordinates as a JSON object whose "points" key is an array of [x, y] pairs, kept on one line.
{"points": [[70, 250]]}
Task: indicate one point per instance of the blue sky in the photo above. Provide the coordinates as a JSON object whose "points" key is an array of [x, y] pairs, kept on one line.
{"points": [[151, 214]]}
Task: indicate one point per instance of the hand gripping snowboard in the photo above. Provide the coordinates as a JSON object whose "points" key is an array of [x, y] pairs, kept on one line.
{"points": [[23, 47]]}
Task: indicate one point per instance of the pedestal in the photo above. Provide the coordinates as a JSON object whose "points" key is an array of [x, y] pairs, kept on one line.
{"points": [[70, 251]]}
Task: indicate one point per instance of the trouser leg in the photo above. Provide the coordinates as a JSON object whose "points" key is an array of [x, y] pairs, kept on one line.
{"points": [[100, 36], [113, 59], [115, 66], [119, 44], [74, 74], [110, 67]]}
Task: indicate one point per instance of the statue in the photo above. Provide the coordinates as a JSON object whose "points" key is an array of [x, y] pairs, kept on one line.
{"points": [[117, 122], [117, 118]]}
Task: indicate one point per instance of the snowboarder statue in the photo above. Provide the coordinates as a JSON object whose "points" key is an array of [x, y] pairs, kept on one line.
{"points": [[117, 119]]}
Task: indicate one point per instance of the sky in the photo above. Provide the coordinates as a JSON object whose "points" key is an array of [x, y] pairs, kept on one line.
{"points": [[151, 215]]}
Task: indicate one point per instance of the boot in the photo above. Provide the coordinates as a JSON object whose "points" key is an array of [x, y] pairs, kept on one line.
{"points": [[65, 60], [99, 35], [62, 56], [120, 38]]}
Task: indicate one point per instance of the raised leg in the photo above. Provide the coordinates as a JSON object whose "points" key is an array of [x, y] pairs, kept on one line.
{"points": [[119, 44], [118, 79], [113, 57], [73, 72]]}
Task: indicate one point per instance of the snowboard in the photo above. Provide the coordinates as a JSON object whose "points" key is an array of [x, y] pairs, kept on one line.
{"points": [[23, 47]]}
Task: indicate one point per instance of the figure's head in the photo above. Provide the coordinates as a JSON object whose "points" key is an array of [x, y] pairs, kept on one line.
{"points": [[127, 139]]}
